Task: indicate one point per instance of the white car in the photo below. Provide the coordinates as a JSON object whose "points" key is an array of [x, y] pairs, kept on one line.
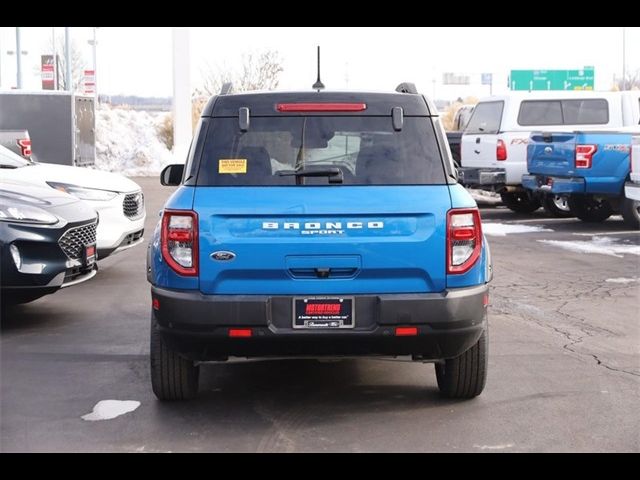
{"points": [[118, 200]]}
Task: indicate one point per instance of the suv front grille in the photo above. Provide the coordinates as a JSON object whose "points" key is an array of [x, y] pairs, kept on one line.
{"points": [[76, 239], [133, 205]]}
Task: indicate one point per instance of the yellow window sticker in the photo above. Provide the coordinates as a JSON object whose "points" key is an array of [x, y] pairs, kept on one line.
{"points": [[232, 165]]}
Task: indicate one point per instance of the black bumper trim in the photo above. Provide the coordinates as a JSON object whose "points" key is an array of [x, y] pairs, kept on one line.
{"points": [[197, 325]]}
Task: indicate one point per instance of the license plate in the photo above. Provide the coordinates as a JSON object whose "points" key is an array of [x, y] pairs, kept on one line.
{"points": [[323, 312], [90, 255]]}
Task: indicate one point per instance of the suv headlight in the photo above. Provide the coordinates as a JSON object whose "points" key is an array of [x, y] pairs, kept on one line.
{"points": [[82, 193], [20, 213]]}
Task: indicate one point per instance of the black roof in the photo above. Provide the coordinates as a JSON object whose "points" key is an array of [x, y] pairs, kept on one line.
{"points": [[264, 103]]}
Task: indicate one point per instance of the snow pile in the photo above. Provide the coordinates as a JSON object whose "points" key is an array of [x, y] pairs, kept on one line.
{"points": [[602, 245], [483, 197], [503, 229], [127, 142]]}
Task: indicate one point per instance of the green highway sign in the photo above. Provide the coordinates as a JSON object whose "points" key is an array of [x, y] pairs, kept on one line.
{"points": [[552, 79]]}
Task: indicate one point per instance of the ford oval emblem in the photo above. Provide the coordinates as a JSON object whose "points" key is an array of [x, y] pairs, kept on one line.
{"points": [[548, 150], [223, 256]]}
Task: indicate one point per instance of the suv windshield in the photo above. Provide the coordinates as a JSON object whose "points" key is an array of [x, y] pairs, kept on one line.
{"points": [[367, 151]]}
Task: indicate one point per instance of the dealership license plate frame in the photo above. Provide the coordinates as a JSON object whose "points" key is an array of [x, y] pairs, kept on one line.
{"points": [[344, 320]]}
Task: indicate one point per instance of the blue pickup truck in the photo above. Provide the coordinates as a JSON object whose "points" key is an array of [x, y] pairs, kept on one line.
{"points": [[590, 168], [318, 224]]}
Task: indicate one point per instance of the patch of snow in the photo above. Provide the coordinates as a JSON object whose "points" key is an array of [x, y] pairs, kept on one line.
{"points": [[621, 280], [127, 142], [601, 245], [502, 229], [494, 447], [108, 409], [485, 197]]}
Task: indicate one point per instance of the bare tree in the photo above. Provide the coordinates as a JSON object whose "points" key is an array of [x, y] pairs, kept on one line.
{"points": [[257, 72], [630, 82], [78, 63]]}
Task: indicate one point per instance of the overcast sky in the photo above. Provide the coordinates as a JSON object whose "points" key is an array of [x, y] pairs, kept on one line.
{"points": [[137, 61]]}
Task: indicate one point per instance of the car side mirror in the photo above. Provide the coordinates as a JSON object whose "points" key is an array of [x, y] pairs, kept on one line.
{"points": [[171, 176]]}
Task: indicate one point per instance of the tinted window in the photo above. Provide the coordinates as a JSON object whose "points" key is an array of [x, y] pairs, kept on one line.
{"points": [[486, 118], [564, 112], [367, 150]]}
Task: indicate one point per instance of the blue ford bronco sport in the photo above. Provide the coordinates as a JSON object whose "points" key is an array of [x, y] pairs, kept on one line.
{"points": [[318, 224]]}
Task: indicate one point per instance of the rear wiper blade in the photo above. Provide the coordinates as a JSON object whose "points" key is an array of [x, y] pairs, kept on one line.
{"points": [[334, 173]]}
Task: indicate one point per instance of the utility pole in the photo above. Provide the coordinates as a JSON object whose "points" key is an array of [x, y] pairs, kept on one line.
{"points": [[18, 60], [67, 58], [94, 43], [182, 130]]}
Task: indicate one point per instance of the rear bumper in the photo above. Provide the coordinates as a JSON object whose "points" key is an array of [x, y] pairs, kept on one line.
{"points": [[197, 325], [632, 191], [483, 177], [555, 185]]}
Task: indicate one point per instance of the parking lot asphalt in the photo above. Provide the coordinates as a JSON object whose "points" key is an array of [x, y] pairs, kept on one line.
{"points": [[564, 364]]}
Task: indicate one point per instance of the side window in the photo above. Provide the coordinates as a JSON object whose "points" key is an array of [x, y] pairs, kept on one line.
{"points": [[486, 118], [540, 112], [585, 112], [189, 170]]}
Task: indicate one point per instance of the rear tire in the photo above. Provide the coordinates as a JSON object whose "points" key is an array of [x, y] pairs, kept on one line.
{"points": [[631, 213], [465, 376], [520, 202], [590, 210], [557, 206], [173, 377]]}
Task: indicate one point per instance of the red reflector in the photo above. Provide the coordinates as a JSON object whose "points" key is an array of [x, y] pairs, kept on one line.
{"points": [[485, 300], [179, 235], [463, 233], [91, 250], [240, 332], [155, 304], [406, 331], [321, 107]]}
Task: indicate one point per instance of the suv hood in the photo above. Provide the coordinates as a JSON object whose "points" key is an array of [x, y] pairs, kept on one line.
{"points": [[80, 176]]}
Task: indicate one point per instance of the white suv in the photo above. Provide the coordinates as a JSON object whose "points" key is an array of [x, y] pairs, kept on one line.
{"points": [[118, 200], [494, 143]]}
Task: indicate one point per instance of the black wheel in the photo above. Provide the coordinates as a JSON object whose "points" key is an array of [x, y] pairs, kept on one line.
{"points": [[631, 213], [557, 206], [173, 377], [465, 376], [520, 202], [590, 209]]}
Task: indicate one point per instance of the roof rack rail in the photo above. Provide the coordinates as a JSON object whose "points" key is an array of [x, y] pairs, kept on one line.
{"points": [[226, 88], [406, 87]]}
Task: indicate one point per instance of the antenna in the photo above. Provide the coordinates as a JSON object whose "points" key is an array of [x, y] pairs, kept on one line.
{"points": [[318, 85]]}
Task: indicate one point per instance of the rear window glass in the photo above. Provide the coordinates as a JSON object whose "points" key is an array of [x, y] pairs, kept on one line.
{"points": [[486, 118], [564, 112], [365, 150]]}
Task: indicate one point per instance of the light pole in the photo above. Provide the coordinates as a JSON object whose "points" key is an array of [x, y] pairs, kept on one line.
{"points": [[624, 59], [18, 60], [67, 58]]}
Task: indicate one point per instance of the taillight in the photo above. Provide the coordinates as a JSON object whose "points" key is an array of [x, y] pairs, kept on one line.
{"points": [[179, 241], [464, 239], [584, 155], [25, 147], [501, 151]]}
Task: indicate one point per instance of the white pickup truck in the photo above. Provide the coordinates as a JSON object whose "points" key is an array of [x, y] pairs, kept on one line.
{"points": [[632, 187], [494, 143]]}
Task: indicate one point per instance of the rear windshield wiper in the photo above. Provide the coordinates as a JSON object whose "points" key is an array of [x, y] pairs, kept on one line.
{"points": [[334, 173]]}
